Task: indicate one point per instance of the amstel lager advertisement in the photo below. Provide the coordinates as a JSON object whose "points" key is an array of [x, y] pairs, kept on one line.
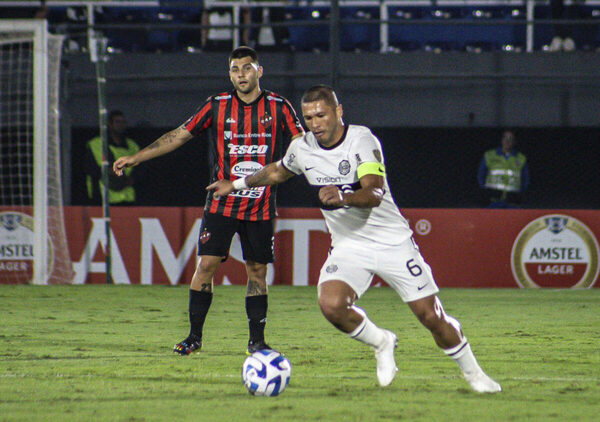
{"points": [[466, 248], [16, 247], [555, 251]]}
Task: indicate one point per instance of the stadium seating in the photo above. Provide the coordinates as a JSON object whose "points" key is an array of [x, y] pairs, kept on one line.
{"points": [[586, 36], [434, 26]]}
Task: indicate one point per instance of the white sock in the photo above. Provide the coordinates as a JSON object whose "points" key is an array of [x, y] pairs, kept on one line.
{"points": [[464, 357], [367, 332]]}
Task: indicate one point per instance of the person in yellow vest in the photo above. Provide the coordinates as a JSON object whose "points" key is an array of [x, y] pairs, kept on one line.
{"points": [[121, 189], [504, 174]]}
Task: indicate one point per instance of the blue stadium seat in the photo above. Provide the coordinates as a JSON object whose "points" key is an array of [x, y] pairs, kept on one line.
{"points": [[164, 40], [126, 40], [587, 36], [359, 36], [542, 33], [308, 38], [407, 36], [487, 36]]}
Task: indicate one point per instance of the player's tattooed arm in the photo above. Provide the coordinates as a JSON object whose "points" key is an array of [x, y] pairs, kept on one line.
{"points": [[271, 174], [163, 145]]}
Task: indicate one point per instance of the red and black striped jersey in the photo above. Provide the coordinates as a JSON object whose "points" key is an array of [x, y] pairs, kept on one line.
{"points": [[243, 138]]}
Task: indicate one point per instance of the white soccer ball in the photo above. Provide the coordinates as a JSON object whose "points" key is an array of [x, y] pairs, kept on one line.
{"points": [[266, 373]]}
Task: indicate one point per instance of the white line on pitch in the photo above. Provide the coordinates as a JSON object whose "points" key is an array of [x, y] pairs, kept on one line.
{"points": [[329, 376]]}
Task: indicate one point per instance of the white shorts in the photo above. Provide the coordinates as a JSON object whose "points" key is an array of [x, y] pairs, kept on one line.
{"points": [[402, 267]]}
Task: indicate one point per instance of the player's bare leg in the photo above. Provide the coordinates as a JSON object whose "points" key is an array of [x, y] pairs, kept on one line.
{"points": [[336, 300], [257, 305], [201, 293], [448, 335]]}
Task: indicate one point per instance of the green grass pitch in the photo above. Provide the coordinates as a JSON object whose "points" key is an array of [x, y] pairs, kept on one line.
{"points": [[104, 353]]}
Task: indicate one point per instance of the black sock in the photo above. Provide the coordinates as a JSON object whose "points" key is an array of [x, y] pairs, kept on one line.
{"points": [[199, 305], [256, 309]]}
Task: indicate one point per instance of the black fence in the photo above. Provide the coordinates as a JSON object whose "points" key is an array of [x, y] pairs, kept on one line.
{"points": [[427, 168]]}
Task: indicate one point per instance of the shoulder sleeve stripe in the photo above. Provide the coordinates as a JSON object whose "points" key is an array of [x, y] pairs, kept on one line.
{"points": [[291, 119], [201, 120]]}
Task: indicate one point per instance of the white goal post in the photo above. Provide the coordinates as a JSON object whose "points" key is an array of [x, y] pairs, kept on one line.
{"points": [[33, 244]]}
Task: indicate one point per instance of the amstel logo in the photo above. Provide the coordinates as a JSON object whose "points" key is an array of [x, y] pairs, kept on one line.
{"points": [[16, 247], [555, 251]]}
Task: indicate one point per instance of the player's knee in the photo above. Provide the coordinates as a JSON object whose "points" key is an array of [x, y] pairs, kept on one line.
{"points": [[257, 272], [209, 265], [333, 308]]}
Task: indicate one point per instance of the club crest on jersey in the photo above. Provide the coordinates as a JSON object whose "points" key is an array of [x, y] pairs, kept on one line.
{"points": [[344, 167], [266, 121], [331, 268], [204, 237]]}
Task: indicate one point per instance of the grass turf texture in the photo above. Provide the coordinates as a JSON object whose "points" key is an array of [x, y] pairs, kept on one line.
{"points": [[105, 353]]}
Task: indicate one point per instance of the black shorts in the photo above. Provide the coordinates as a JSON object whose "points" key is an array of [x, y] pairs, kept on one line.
{"points": [[216, 233]]}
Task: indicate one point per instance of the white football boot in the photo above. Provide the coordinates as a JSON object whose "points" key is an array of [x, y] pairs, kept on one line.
{"points": [[386, 364], [481, 383]]}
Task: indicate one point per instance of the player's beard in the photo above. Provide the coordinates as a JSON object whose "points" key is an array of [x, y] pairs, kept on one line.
{"points": [[250, 86]]}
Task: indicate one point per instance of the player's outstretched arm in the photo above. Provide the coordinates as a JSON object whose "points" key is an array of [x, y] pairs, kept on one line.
{"points": [[271, 174], [168, 142]]}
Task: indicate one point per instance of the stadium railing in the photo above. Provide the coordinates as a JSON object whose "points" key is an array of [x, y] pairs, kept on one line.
{"points": [[365, 25]]}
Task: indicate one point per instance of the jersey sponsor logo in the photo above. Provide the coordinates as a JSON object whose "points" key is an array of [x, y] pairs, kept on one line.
{"points": [[246, 168], [245, 135], [247, 149], [555, 251], [251, 193], [344, 167], [16, 246], [330, 180], [227, 135]]}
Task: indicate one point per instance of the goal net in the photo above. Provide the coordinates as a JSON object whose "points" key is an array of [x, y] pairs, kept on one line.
{"points": [[33, 244]]}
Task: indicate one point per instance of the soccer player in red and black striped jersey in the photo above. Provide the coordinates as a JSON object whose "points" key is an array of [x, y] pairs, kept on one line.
{"points": [[249, 128]]}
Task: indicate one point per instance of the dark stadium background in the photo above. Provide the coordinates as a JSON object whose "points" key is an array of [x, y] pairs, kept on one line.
{"points": [[426, 168]]}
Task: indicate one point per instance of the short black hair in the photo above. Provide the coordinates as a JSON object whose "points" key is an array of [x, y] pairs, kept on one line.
{"points": [[320, 92], [243, 51], [113, 114]]}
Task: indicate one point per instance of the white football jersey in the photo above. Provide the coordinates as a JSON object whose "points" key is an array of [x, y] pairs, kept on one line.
{"points": [[337, 165]]}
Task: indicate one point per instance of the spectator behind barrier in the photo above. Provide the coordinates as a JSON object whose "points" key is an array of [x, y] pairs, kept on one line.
{"points": [[503, 174], [121, 189]]}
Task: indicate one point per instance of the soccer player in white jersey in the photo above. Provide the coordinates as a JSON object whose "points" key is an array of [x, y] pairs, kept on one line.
{"points": [[369, 235]]}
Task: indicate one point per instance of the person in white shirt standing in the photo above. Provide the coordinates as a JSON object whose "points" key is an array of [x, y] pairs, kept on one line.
{"points": [[344, 165]]}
